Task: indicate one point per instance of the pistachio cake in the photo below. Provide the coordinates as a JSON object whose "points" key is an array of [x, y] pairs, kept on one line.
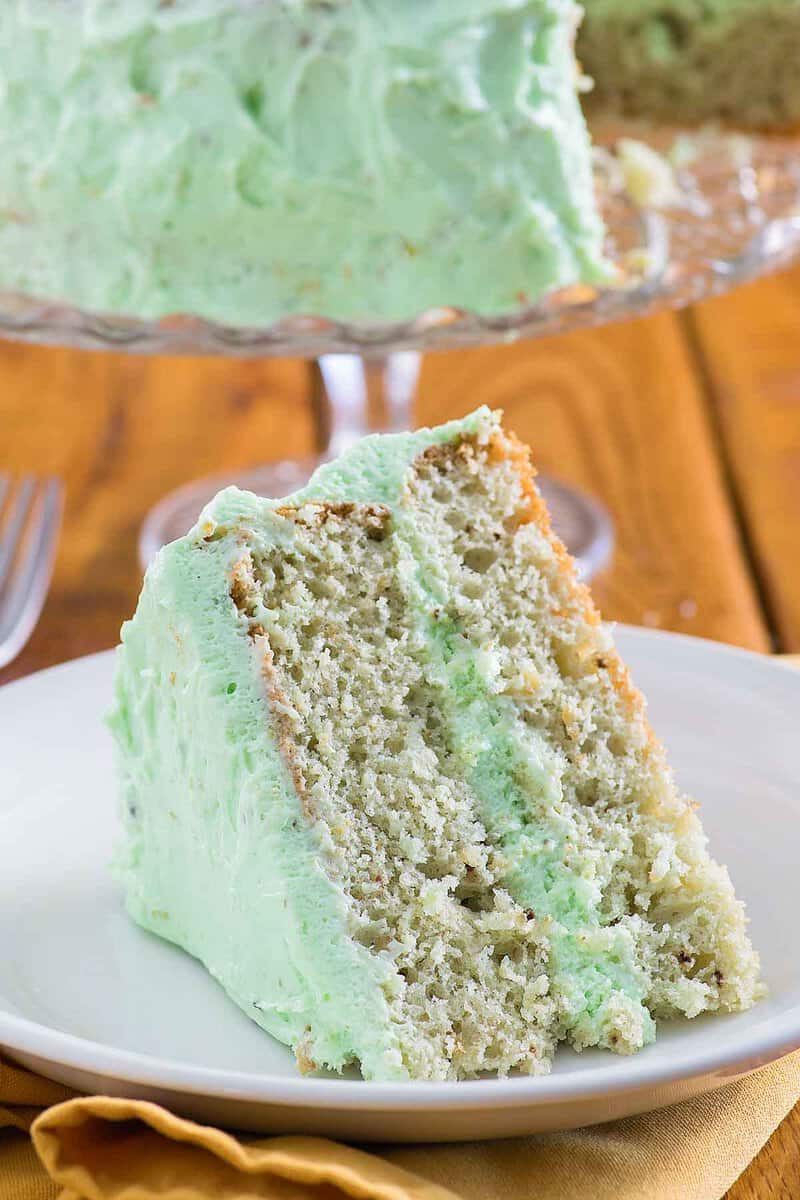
{"points": [[695, 60], [384, 773], [249, 160]]}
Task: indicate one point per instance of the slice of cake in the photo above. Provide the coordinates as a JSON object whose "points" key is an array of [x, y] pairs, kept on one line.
{"points": [[247, 161], [384, 773], [682, 60]]}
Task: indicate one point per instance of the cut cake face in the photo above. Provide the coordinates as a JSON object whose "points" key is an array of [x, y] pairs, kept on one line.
{"points": [[385, 774], [682, 61]]}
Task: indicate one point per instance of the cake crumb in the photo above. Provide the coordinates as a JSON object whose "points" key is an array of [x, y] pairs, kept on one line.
{"points": [[305, 1062]]}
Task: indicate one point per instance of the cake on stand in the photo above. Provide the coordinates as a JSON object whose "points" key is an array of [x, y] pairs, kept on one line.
{"points": [[734, 214]]}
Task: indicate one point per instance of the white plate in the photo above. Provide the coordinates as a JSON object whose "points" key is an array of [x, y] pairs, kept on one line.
{"points": [[89, 999]]}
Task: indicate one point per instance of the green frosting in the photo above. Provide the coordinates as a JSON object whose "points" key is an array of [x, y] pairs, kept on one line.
{"points": [[248, 160], [218, 855]]}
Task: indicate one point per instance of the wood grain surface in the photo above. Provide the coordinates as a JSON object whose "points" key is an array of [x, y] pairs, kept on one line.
{"points": [[687, 427], [749, 343]]}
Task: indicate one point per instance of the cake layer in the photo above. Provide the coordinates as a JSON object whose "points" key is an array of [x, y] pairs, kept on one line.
{"points": [[385, 774], [248, 161], [695, 60]]}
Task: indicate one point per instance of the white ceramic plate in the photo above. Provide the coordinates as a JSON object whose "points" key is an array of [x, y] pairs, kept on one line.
{"points": [[89, 999]]}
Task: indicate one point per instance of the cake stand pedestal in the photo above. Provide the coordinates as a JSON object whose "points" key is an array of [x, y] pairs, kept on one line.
{"points": [[732, 213]]}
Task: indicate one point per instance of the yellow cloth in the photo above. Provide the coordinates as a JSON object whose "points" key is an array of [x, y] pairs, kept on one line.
{"points": [[99, 1148]]}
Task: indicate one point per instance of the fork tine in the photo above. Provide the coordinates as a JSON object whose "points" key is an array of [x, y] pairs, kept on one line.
{"points": [[30, 580], [10, 536]]}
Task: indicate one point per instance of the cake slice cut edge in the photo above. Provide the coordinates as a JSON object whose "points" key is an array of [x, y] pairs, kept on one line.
{"points": [[385, 774], [680, 62]]}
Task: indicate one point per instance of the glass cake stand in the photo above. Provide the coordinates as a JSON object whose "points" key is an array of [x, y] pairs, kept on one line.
{"points": [[727, 211]]}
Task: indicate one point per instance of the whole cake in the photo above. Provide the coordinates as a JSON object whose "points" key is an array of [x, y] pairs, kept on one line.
{"points": [[385, 774], [251, 160], [246, 160], [690, 60]]}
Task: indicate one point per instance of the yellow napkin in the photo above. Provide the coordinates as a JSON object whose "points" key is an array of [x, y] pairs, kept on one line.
{"points": [[100, 1148]]}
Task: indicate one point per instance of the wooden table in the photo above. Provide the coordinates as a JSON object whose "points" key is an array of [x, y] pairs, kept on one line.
{"points": [[687, 427]]}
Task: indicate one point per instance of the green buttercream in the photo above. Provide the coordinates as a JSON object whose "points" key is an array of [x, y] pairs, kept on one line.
{"points": [[246, 161], [218, 856]]}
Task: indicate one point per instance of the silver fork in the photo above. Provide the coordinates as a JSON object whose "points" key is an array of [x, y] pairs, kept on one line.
{"points": [[30, 517]]}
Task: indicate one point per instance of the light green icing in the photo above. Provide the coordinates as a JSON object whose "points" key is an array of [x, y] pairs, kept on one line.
{"points": [[279, 937], [218, 856], [249, 160]]}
